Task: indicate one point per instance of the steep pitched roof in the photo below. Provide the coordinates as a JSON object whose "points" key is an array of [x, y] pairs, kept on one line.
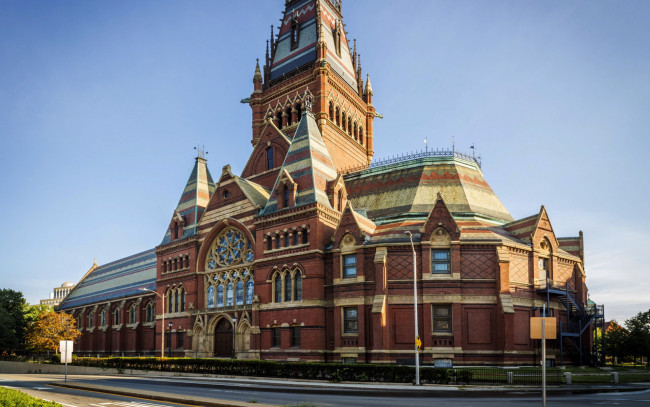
{"points": [[309, 164], [315, 18], [115, 280], [194, 199]]}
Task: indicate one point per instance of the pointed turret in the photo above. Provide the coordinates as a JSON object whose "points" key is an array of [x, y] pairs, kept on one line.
{"points": [[367, 92], [306, 170], [193, 201], [257, 78], [304, 24]]}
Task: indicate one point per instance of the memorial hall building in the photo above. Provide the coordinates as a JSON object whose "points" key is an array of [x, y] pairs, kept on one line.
{"points": [[308, 254]]}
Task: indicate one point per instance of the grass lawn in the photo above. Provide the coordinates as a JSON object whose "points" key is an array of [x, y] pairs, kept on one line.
{"points": [[15, 398]]}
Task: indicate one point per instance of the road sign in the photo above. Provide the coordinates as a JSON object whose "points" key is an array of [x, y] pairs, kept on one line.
{"points": [[536, 327], [66, 351], [418, 342]]}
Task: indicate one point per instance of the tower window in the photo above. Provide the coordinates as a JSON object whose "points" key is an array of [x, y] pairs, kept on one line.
{"points": [[269, 158], [350, 321], [295, 32]]}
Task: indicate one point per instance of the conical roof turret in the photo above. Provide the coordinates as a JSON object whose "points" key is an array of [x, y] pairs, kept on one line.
{"points": [[194, 199]]}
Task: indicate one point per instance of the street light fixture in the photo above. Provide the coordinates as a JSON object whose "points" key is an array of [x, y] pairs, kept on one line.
{"points": [[415, 309], [162, 337]]}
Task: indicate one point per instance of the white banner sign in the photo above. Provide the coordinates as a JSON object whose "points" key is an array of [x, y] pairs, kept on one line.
{"points": [[66, 351]]}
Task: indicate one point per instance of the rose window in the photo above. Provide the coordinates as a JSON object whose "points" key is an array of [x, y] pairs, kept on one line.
{"points": [[231, 247]]}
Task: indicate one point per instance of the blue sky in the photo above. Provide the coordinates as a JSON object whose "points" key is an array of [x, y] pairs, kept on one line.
{"points": [[101, 104]]}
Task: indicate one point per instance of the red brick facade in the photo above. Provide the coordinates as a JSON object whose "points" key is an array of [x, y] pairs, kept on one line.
{"points": [[332, 283]]}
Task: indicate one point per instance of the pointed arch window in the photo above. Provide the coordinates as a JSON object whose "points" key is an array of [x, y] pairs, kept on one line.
{"points": [[91, 322], [211, 297], [239, 293], [332, 111], [103, 318], [297, 294], [285, 197], [249, 291], [295, 32], [220, 295], [269, 158], [287, 287], [229, 295], [132, 314], [278, 288], [278, 117]]}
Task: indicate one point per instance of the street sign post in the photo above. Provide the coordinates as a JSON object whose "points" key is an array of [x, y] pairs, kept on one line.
{"points": [[543, 328], [65, 348]]}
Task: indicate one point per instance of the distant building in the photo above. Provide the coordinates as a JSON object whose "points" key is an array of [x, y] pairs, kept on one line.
{"points": [[58, 295], [307, 255]]}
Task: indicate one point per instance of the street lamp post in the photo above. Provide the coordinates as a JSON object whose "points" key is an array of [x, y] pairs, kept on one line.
{"points": [[170, 339], [162, 325], [415, 309]]}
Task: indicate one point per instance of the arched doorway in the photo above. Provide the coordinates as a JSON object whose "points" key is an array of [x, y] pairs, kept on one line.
{"points": [[223, 339]]}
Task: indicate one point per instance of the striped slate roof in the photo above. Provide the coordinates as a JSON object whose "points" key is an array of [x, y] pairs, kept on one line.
{"points": [[194, 199], [408, 190], [286, 59], [115, 280], [309, 164]]}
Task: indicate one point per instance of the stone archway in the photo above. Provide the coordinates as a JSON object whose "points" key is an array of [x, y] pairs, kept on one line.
{"points": [[223, 337]]}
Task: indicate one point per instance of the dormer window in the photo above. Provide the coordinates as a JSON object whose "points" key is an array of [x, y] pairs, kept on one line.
{"points": [[295, 32], [336, 33], [285, 197]]}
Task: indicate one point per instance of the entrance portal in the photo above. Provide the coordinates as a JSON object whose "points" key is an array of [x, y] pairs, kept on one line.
{"points": [[223, 339]]}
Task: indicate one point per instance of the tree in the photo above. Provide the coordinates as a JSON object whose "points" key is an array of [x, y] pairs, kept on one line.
{"points": [[11, 319], [44, 334], [31, 313], [638, 340], [615, 343]]}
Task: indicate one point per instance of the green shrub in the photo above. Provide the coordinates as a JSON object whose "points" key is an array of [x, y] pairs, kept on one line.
{"points": [[14, 398]]}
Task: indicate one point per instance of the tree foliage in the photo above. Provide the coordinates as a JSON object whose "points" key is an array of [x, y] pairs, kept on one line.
{"points": [[638, 339], [31, 313], [12, 320], [44, 334]]}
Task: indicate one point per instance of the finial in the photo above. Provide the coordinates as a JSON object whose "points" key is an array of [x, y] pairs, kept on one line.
{"points": [[200, 151], [258, 73], [368, 90]]}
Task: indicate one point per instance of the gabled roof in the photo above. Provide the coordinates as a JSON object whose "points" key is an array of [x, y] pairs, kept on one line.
{"points": [[315, 18], [194, 199], [309, 165], [115, 280]]}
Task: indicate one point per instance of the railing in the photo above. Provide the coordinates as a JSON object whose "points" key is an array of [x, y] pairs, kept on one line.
{"points": [[411, 156], [521, 376]]}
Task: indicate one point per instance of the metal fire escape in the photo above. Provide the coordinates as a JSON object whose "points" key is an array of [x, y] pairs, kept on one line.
{"points": [[580, 317]]}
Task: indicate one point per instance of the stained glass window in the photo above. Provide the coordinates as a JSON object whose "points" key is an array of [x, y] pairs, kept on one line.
{"points": [[249, 292], [298, 288], [211, 297], [229, 248], [287, 287], [229, 295], [278, 288], [220, 295], [239, 294]]}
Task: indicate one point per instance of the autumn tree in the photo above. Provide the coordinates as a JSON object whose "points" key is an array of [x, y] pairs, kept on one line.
{"points": [[44, 334]]}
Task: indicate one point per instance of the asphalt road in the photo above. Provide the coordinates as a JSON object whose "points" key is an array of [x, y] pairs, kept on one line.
{"points": [[288, 395]]}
